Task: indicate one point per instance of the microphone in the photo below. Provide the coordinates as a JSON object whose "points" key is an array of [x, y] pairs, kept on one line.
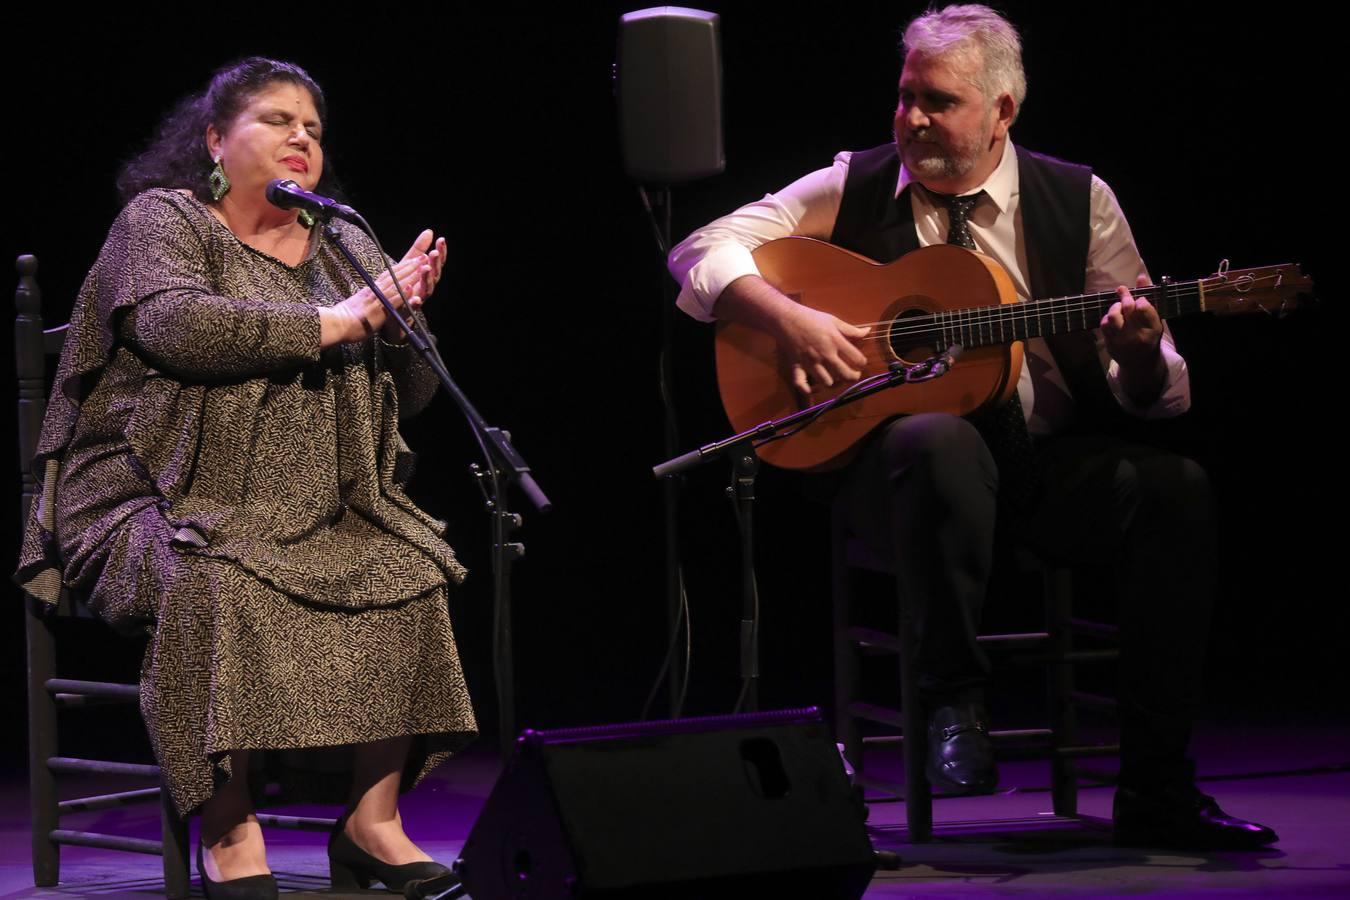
{"points": [[287, 194]]}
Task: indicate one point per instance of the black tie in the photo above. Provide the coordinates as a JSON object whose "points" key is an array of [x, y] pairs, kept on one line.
{"points": [[958, 210], [1004, 426]]}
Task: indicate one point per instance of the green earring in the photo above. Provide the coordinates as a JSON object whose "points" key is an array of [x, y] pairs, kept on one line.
{"points": [[306, 218], [220, 184]]}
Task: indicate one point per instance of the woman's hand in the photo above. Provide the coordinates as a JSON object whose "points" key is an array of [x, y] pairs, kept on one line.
{"points": [[432, 249], [362, 314]]}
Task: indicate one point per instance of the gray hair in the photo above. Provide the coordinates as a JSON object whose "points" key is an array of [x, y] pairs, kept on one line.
{"points": [[959, 30]]}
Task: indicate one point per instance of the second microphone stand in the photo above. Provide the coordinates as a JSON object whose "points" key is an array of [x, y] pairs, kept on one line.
{"points": [[745, 465]]}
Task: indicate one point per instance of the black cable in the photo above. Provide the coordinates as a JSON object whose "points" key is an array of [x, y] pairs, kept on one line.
{"points": [[682, 625], [682, 617]]}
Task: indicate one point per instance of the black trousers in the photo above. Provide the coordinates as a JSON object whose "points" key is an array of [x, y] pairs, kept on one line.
{"points": [[925, 492]]}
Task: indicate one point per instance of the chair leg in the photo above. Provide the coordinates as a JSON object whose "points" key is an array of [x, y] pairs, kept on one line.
{"points": [[1060, 675], [42, 745], [846, 667], [918, 792], [174, 835]]}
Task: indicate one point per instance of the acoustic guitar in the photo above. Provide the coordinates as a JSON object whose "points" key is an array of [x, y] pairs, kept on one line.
{"points": [[919, 305]]}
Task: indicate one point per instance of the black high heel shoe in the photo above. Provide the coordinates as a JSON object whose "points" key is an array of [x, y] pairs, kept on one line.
{"points": [[352, 868], [254, 887]]}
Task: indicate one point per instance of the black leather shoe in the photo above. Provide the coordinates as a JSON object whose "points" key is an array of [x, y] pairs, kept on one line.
{"points": [[254, 887], [351, 867], [960, 756], [1182, 818]]}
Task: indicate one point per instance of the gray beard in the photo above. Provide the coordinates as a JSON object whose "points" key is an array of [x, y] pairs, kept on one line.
{"points": [[941, 162], [940, 165]]}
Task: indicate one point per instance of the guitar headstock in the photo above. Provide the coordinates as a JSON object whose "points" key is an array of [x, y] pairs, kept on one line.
{"points": [[1269, 289]]}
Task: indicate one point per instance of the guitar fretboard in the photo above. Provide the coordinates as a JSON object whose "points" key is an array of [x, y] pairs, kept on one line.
{"points": [[991, 325]]}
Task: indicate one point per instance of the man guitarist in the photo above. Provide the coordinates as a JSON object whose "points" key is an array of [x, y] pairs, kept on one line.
{"points": [[927, 489]]}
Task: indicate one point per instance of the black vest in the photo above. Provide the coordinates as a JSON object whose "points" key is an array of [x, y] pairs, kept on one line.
{"points": [[1054, 198]]}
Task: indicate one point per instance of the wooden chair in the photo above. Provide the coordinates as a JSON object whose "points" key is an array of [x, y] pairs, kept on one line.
{"points": [[48, 693], [1054, 648]]}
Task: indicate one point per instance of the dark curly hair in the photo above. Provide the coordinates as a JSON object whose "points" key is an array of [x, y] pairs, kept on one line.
{"points": [[177, 157]]}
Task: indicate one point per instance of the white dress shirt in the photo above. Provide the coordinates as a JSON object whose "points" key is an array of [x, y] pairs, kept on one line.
{"points": [[716, 255]]}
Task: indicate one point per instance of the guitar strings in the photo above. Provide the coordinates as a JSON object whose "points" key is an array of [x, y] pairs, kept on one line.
{"points": [[1078, 303], [1011, 313]]}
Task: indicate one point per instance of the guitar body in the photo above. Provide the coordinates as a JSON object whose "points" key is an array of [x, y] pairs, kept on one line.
{"points": [[755, 382]]}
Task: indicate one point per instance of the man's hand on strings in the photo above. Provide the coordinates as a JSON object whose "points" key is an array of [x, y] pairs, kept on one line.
{"points": [[820, 348], [816, 348], [1133, 331]]}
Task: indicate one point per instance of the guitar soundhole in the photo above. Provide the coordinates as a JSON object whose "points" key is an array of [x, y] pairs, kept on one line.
{"points": [[912, 339]]}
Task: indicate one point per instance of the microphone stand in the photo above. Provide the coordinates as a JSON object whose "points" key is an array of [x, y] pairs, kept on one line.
{"points": [[501, 463], [741, 448]]}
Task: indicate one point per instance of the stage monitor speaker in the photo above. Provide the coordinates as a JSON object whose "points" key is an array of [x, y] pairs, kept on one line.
{"points": [[668, 80], [731, 806]]}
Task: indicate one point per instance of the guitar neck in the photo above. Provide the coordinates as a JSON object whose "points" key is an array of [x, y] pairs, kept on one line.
{"points": [[991, 325]]}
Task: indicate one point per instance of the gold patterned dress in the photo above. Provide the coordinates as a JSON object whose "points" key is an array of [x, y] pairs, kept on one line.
{"points": [[212, 474]]}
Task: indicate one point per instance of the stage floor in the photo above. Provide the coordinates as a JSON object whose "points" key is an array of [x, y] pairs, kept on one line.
{"points": [[1291, 774]]}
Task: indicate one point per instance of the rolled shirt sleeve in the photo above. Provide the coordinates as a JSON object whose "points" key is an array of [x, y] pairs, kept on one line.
{"points": [[717, 254], [1114, 260]]}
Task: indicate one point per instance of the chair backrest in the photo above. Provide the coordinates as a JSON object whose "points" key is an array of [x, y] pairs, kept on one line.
{"points": [[33, 345], [30, 368]]}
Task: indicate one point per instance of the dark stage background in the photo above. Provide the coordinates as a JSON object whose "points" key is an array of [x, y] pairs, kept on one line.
{"points": [[495, 126]]}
